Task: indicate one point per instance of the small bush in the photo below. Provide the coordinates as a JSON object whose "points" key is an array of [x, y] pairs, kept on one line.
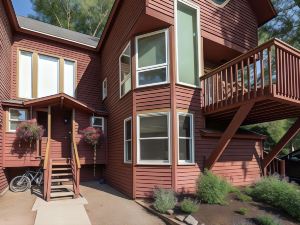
{"points": [[242, 197], [164, 200], [278, 193], [212, 189], [266, 220], [242, 211], [189, 206]]}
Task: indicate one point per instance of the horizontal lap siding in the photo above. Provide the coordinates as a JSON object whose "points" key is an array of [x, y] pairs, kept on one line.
{"points": [[5, 72], [150, 177], [228, 23], [188, 99], [117, 173]]}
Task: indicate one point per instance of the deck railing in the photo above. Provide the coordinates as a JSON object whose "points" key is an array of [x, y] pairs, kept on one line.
{"points": [[270, 69], [277, 166]]}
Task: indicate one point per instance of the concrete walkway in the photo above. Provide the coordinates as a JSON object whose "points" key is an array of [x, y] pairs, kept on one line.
{"points": [[106, 206]]}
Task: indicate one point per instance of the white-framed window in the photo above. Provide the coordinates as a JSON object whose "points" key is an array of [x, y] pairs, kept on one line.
{"points": [[25, 75], [104, 88], [69, 78], [153, 138], [15, 117], [152, 64], [188, 43], [97, 122], [128, 140], [185, 138], [125, 71], [48, 75]]}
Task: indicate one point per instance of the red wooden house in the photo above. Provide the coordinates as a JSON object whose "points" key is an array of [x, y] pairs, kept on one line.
{"points": [[169, 82]]}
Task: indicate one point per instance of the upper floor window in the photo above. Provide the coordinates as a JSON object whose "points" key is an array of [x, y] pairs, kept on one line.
{"points": [[152, 58], [125, 71], [220, 3], [187, 40], [41, 75], [104, 88], [97, 122], [15, 117]]}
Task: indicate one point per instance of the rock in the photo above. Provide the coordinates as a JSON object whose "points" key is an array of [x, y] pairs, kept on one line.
{"points": [[180, 218], [170, 212], [191, 220]]}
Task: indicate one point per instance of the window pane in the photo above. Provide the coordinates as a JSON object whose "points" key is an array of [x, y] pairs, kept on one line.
{"points": [[128, 130], [154, 149], [187, 39], [25, 75], [184, 126], [48, 70], [184, 149], [69, 77], [126, 87], [14, 125], [17, 114], [128, 150], [152, 76], [152, 50], [97, 121], [154, 126]]}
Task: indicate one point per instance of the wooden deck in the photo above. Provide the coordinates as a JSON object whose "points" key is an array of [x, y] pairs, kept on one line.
{"points": [[268, 76]]}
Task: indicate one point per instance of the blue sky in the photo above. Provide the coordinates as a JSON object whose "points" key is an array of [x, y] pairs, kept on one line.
{"points": [[23, 7]]}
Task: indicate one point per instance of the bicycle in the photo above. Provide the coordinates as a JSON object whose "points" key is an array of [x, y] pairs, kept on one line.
{"points": [[24, 182]]}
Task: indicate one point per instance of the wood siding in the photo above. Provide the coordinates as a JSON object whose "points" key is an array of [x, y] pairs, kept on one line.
{"points": [[5, 73], [117, 173], [223, 25]]}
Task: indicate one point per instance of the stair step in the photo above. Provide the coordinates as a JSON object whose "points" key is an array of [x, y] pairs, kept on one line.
{"points": [[61, 169], [61, 194], [61, 163], [54, 187], [61, 174], [61, 179]]}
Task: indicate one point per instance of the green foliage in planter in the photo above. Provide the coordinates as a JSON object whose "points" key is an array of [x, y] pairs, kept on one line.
{"points": [[164, 200], [189, 205], [278, 193], [212, 189], [266, 220]]}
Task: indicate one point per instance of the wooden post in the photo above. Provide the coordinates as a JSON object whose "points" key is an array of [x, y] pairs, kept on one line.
{"points": [[290, 134], [234, 125]]}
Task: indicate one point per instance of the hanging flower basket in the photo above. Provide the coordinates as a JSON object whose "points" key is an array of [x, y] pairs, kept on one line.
{"points": [[29, 131], [92, 136]]}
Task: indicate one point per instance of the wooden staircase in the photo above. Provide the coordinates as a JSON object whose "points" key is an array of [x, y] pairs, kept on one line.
{"points": [[61, 181]]}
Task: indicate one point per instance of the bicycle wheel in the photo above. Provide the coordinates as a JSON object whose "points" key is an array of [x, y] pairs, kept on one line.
{"points": [[20, 184]]}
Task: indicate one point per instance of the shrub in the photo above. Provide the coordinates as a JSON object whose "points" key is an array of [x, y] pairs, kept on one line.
{"points": [[189, 206], [212, 189], [164, 200], [266, 220], [242, 211], [278, 193], [242, 197]]}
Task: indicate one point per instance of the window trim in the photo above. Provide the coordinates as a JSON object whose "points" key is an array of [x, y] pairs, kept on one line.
{"points": [[199, 38], [154, 162], [104, 90], [192, 138], [9, 118], [127, 140], [165, 65], [97, 126], [18, 71], [124, 81]]}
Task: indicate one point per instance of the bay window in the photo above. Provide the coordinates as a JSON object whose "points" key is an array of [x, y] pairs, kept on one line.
{"points": [[15, 117], [187, 41], [127, 140], [185, 138], [125, 71], [153, 138], [152, 58], [40, 75]]}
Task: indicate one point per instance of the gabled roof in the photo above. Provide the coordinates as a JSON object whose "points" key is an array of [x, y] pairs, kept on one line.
{"points": [[54, 31]]}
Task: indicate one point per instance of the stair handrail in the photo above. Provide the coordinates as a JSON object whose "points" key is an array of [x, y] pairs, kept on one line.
{"points": [[75, 150], [46, 168]]}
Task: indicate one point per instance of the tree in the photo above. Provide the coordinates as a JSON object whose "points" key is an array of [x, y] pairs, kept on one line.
{"points": [[85, 16]]}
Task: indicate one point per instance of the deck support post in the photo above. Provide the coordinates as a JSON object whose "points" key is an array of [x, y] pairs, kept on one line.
{"points": [[290, 134], [230, 131]]}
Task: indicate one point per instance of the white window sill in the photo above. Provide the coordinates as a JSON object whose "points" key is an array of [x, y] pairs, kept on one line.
{"points": [[186, 163], [153, 164]]}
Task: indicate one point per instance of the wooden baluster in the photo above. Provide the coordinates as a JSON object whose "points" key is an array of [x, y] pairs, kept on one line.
{"points": [[226, 85], [270, 69], [278, 73], [213, 91], [236, 83], [243, 79], [231, 84], [255, 75], [222, 88], [296, 77], [249, 78], [262, 82]]}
